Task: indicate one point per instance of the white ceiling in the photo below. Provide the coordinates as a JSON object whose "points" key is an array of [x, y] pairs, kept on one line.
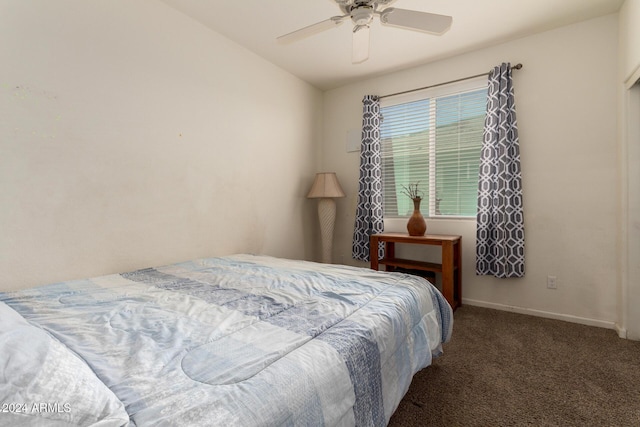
{"points": [[324, 60]]}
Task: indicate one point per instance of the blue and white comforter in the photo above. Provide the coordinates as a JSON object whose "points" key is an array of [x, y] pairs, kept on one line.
{"points": [[241, 340]]}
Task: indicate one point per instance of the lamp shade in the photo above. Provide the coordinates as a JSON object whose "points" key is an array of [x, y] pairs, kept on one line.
{"points": [[325, 185]]}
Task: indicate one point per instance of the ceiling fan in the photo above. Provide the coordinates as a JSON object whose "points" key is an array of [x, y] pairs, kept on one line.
{"points": [[362, 13]]}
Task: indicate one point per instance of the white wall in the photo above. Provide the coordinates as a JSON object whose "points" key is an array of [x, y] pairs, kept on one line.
{"points": [[566, 99], [629, 162], [630, 37], [630, 310], [132, 136]]}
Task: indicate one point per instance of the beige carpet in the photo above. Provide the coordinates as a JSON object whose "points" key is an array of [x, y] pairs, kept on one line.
{"points": [[507, 369]]}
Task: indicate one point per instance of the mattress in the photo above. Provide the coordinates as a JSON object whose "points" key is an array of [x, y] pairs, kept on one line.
{"points": [[241, 340]]}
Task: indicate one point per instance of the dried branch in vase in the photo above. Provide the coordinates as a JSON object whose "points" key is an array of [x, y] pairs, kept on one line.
{"points": [[412, 191]]}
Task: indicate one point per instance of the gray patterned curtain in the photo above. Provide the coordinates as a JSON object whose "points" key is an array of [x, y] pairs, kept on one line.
{"points": [[500, 232], [369, 211]]}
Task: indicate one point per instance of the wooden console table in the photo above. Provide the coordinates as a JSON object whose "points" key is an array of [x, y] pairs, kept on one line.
{"points": [[451, 267]]}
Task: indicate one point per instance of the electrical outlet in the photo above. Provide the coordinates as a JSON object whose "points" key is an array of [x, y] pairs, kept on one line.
{"points": [[552, 282]]}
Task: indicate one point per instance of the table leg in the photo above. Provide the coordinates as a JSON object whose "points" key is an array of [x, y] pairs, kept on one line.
{"points": [[390, 253], [373, 252], [448, 272], [458, 272]]}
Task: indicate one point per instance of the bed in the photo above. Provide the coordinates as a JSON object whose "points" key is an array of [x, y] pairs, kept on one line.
{"points": [[240, 340]]}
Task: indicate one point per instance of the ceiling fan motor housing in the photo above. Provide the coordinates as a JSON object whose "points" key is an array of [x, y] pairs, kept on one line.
{"points": [[373, 3], [361, 11]]}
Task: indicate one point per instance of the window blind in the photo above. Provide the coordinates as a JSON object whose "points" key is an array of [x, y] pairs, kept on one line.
{"points": [[433, 138]]}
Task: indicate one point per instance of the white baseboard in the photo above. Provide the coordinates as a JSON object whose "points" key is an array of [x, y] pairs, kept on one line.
{"points": [[622, 332], [548, 315]]}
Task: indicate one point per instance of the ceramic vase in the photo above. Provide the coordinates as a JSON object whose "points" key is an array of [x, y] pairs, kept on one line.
{"points": [[416, 226]]}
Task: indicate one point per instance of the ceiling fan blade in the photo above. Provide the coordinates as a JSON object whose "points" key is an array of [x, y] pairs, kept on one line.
{"points": [[360, 44], [311, 30], [414, 20]]}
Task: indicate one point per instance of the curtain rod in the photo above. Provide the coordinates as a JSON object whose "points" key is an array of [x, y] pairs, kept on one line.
{"points": [[515, 67]]}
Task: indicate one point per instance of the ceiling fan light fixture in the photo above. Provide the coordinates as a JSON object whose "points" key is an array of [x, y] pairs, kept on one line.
{"points": [[362, 15]]}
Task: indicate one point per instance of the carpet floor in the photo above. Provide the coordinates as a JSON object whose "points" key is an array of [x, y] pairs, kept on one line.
{"points": [[508, 369]]}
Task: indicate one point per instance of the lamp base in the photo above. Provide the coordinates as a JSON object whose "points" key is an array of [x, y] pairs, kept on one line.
{"points": [[327, 216]]}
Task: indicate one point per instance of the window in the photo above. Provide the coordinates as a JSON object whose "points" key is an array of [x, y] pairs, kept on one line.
{"points": [[433, 138]]}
